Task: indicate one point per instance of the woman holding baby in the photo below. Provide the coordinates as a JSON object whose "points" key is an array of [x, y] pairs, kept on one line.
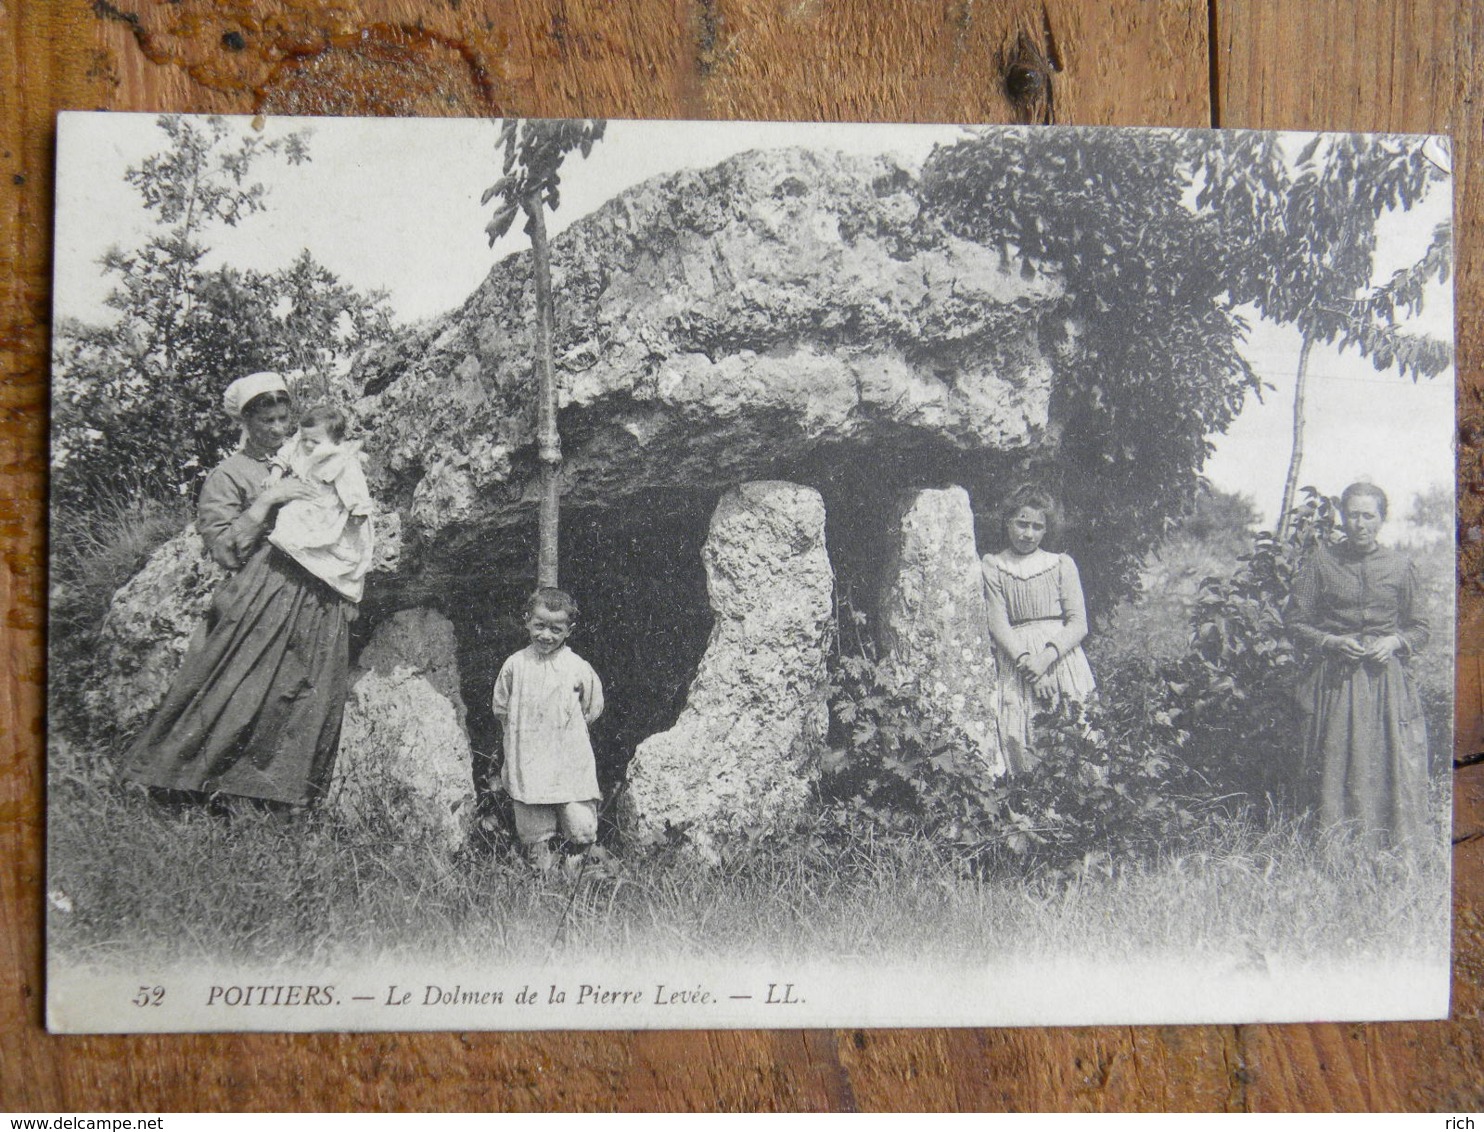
{"points": [[255, 709]]}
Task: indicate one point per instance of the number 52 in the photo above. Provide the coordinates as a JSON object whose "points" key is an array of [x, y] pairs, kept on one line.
{"points": [[149, 996]]}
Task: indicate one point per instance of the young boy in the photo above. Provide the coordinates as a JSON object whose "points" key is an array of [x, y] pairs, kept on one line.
{"points": [[545, 697]]}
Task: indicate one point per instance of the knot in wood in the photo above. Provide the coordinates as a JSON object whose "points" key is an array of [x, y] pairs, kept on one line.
{"points": [[1025, 82]]}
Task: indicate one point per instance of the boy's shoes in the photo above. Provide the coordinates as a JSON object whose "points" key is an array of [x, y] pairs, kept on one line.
{"points": [[540, 856], [591, 861]]}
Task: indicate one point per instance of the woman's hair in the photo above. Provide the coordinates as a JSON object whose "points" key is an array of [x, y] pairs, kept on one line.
{"points": [[328, 417], [1363, 490], [558, 601], [270, 400], [1031, 495]]}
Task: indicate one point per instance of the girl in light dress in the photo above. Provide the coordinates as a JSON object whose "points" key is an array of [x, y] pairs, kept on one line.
{"points": [[330, 534], [1037, 619]]}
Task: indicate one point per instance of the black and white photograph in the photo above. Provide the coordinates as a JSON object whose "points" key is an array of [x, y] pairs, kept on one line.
{"points": [[579, 574]]}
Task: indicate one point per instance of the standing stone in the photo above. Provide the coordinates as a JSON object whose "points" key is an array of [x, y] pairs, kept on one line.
{"points": [[743, 754], [932, 621], [150, 623], [405, 760]]}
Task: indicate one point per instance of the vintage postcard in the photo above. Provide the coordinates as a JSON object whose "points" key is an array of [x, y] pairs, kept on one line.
{"points": [[581, 574]]}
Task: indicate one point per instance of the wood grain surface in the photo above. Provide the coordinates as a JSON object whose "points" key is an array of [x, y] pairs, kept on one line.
{"points": [[1323, 64]]}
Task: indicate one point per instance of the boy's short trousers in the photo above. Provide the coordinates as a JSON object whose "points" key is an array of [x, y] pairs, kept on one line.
{"points": [[536, 821]]}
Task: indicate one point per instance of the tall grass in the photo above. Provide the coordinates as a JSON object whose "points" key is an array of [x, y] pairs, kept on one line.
{"points": [[135, 880], [93, 553]]}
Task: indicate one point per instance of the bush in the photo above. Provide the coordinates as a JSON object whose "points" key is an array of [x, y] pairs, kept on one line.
{"points": [[1106, 786], [1125, 775]]}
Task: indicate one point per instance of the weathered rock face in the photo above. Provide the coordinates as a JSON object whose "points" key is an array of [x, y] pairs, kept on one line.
{"points": [[786, 313], [744, 751], [931, 619], [404, 753], [149, 625], [154, 615]]}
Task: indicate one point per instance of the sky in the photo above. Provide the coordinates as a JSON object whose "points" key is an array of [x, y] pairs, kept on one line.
{"points": [[393, 205]]}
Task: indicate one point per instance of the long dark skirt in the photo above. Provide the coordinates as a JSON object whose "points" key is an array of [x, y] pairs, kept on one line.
{"points": [[1366, 749], [255, 709]]}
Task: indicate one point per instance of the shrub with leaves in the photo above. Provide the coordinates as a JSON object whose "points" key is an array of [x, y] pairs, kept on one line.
{"points": [[142, 390], [1110, 782], [1128, 773], [902, 769]]}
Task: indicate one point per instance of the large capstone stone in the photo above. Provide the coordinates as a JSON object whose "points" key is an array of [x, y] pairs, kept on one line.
{"points": [[936, 648], [743, 754], [788, 314], [405, 768], [148, 627]]}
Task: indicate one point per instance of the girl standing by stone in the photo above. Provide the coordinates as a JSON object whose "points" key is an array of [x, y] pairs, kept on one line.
{"points": [[1037, 619]]}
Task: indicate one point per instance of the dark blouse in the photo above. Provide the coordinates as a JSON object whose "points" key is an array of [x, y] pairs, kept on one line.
{"points": [[221, 511], [1341, 591]]}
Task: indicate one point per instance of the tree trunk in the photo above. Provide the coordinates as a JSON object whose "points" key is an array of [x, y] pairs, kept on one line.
{"points": [[1290, 485], [548, 440]]}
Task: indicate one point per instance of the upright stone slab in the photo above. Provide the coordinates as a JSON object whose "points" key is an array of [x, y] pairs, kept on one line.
{"points": [[743, 753], [150, 622], [932, 622], [404, 751]]}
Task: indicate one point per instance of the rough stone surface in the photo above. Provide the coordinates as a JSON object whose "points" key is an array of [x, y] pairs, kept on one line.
{"points": [[148, 627], [931, 619], [404, 752], [744, 750], [785, 310], [153, 616]]}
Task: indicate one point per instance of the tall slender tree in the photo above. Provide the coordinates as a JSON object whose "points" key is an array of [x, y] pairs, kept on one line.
{"points": [[534, 149], [1309, 228]]}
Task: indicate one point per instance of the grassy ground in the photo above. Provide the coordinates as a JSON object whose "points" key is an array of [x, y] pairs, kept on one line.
{"points": [[133, 880]]}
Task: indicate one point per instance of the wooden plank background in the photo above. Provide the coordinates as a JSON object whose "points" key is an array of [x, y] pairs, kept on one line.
{"points": [[1323, 64]]}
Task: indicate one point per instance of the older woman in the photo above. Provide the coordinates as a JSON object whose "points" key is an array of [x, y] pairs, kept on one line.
{"points": [[256, 707], [1356, 610]]}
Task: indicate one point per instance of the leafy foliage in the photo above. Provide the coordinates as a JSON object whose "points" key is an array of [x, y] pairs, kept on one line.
{"points": [[1235, 686], [1309, 231], [1307, 250], [1106, 789], [1160, 241], [534, 149], [1146, 340], [1124, 775], [142, 392]]}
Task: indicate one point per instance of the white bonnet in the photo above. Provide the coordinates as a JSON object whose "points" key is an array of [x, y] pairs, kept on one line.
{"points": [[241, 392]]}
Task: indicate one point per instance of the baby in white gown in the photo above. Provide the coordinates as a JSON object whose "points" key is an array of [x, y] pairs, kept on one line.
{"points": [[329, 535]]}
